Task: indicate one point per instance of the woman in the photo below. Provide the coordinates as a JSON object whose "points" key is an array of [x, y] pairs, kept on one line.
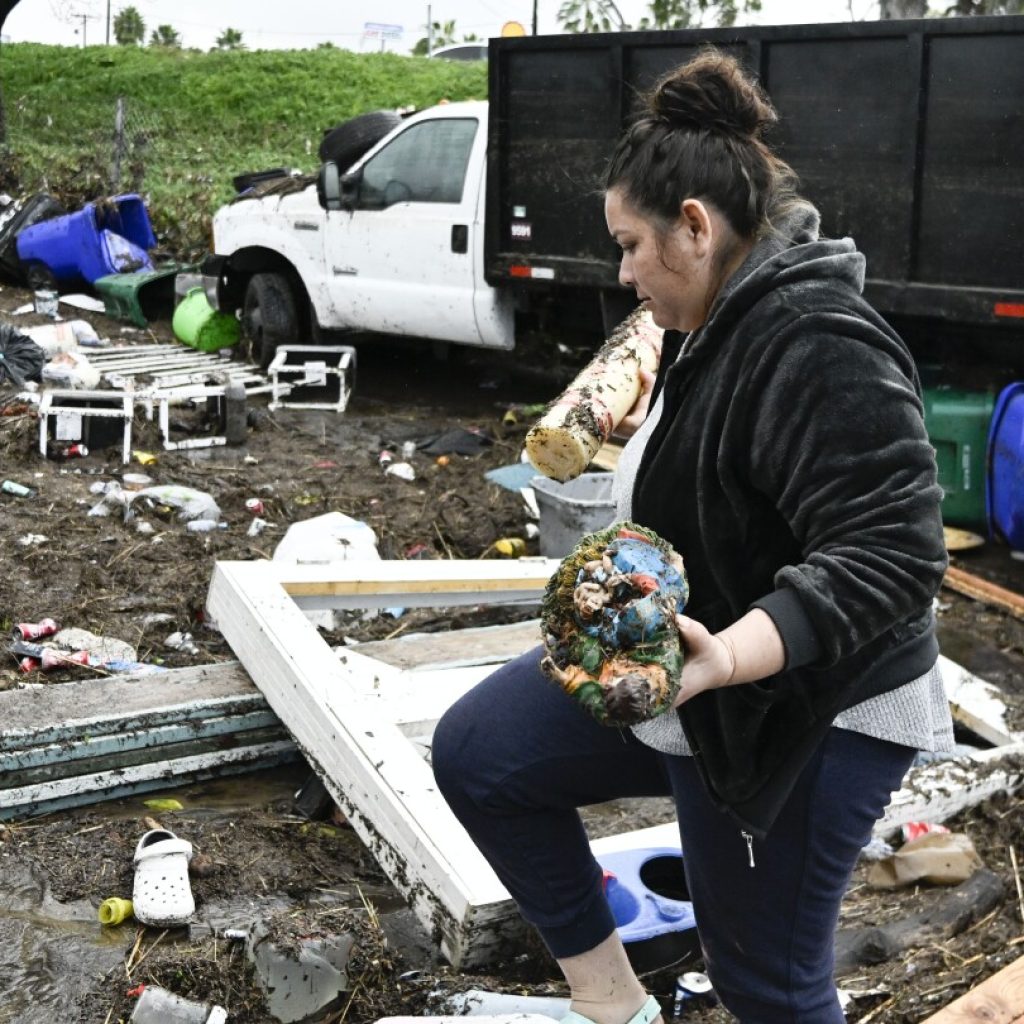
{"points": [[785, 457]]}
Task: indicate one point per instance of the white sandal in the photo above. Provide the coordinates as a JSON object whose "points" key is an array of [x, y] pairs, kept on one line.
{"points": [[650, 1011], [161, 895]]}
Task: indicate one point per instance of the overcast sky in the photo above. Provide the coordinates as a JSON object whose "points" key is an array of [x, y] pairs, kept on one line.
{"points": [[297, 24]]}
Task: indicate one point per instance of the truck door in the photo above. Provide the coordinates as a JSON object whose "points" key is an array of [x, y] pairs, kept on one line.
{"points": [[402, 261]]}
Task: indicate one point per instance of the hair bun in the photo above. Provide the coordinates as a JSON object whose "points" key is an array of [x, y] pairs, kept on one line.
{"points": [[711, 91]]}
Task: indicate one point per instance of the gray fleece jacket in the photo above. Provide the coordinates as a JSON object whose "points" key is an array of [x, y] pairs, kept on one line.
{"points": [[791, 469]]}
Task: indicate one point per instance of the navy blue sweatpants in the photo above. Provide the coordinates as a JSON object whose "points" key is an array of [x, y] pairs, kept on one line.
{"points": [[516, 757]]}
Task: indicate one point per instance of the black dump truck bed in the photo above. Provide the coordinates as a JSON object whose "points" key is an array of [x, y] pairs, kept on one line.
{"points": [[908, 135]]}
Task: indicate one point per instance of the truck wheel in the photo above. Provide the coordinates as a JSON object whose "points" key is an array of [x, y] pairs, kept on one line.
{"points": [[347, 142], [269, 318]]}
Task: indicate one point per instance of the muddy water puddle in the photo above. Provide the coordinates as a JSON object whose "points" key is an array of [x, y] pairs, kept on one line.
{"points": [[260, 859]]}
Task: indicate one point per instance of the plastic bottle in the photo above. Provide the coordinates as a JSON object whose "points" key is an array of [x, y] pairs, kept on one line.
{"points": [[115, 910], [235, 424], [204, 525], [20, 490]]}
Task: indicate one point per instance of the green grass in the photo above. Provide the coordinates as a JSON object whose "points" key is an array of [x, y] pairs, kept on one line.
{"points": [[193, 119]]}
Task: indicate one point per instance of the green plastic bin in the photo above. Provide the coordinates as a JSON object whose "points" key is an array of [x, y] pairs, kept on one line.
{"points": [[958, 425], [138, 298]]}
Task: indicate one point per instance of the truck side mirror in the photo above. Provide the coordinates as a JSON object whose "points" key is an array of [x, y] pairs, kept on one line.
{"points": [[328, 186], [350, 188]]}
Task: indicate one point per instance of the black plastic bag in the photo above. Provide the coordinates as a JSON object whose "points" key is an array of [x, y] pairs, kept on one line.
{"points": [[21, 359]]}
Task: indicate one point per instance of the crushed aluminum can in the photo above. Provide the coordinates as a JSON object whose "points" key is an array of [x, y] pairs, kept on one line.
{"points": [[693, 992], [35, 630], [408, 449], [255, 506], [28, 664], [256, 527], [62, 659]]}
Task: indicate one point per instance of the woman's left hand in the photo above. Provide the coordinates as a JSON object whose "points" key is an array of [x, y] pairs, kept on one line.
{"points": [[708, 661]]}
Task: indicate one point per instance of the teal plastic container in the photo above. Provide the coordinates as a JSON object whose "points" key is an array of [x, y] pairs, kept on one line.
{"points": [[958, 426]]}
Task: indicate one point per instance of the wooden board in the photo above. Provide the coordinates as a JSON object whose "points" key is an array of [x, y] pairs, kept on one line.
{"points": [[997, 1000], [975, 704]]}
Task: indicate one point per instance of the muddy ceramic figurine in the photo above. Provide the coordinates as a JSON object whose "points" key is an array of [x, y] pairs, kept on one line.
{"points": [[609, 633]]}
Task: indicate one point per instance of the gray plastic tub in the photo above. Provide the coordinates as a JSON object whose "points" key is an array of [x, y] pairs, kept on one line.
{"points": [[570, 510]]}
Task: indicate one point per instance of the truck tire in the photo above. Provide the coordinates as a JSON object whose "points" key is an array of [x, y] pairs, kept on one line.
{"points": [[269, 317], [345, 143]]}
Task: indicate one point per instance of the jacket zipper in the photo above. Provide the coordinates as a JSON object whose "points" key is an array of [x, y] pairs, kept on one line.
{"points": [[749, 839]]}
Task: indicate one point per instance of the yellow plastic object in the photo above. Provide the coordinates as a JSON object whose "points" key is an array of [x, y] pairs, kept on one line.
{"points": [[115, 910], [161, 804], [144, 458], [510, 547]]}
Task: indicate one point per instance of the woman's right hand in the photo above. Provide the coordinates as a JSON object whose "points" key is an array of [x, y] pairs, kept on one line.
{"points": [[632, 420]]}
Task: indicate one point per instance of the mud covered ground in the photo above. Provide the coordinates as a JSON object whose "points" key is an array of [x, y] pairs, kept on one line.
{"points": [[102, 575]]}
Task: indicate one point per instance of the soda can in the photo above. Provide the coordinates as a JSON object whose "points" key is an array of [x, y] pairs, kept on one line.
{"points": [[28, 664], [255, 506], [693, 991], [63, 659], [385, 457], [35, 630]]}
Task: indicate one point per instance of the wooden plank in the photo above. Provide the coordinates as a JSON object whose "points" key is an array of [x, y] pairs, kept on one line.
{"points": [[975, 704], [374, 774], [982, 590], [935, 792], [414, 583], [997, 1000]]}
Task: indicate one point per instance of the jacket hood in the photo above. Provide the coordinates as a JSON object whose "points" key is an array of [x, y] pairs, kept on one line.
{"points": [[790, 254]]}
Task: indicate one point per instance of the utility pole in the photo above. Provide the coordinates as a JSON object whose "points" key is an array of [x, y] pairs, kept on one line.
{"points": [[430, 33], [108, 22], [83, 17], [534, 17]]}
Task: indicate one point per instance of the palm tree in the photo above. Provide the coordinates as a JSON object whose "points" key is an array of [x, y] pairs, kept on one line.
{"points": [[444, 35], [230, 39], [129, 28], [164, 35]]}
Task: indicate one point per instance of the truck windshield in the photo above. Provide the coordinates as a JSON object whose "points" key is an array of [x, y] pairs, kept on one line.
{"points": [[424, 164]]}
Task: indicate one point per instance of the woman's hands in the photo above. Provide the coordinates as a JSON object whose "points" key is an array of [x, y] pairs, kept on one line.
{"points": [[629, 425], [749, 650]]}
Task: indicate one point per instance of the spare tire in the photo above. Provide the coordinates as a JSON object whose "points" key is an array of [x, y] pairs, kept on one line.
{"points": [[345, 143]]}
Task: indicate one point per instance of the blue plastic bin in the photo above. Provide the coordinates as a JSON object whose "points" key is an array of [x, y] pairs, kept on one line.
{"points": [[647, 895], [1005, 480], [109, 236]]}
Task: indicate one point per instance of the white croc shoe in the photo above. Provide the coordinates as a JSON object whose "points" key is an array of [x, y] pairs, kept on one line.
{"points": [[162, 896]]}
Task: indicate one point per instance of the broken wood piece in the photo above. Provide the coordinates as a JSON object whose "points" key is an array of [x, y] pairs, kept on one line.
{"points": [[975, 704], [953, 911], [999, 999], [967, 583]]}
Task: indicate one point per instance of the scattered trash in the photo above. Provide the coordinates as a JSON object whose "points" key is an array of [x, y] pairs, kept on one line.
{"points": [[21, 359], [63, 337], [71, 370], [163, 804], [144, 458], [79, 301], [32, 540], [408, 449], [442, 461], [385, 458], [915, 829], [509, 547], [103, 649], [876, 849], [456, 441], [513, 478], [477, 1002], [45, 302], [205, 525], [35, 630], [18, 490], [112, 497], [303, 983], [162, 896], [144, 527], [256, 527], [115, 910], [190, 503], [255, 506], [935, 857], [693, 992], [402, 470], [61, 451], [158, 1006], [135, 481], [181, 642]]}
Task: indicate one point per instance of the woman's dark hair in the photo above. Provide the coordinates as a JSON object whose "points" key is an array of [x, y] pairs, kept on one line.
{"points": [[701, 137]]}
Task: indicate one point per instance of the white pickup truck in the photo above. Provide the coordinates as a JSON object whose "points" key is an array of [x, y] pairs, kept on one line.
{"points": [[395, 245]]}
